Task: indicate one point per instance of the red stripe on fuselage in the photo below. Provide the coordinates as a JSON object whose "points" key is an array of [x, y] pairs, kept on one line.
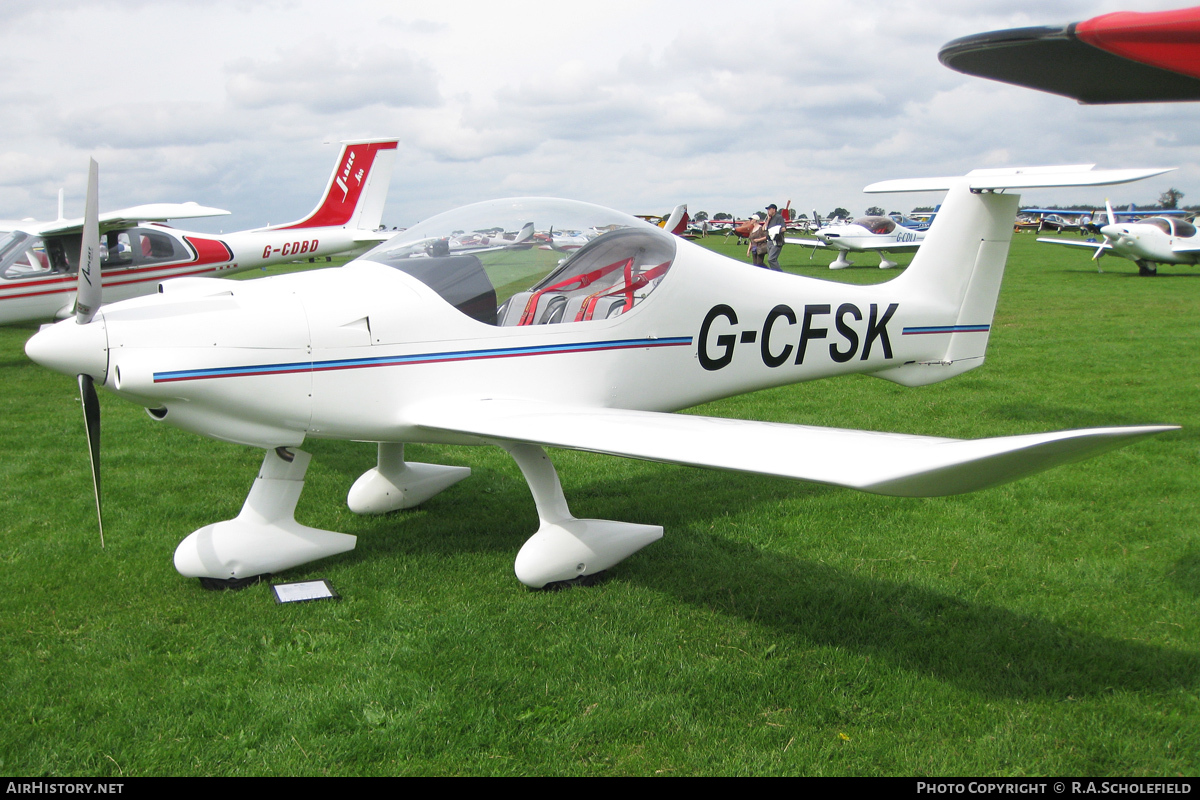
{"points": [[69, 284], [209, 251]]}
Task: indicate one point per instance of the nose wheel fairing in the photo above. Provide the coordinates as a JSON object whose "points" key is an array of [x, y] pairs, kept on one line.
{"points": [[264, 537]]}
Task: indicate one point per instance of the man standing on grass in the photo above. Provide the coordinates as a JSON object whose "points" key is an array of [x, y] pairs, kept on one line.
{"points": [[775, 227]]}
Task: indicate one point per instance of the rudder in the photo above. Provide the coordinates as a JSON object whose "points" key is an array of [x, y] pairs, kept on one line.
{"points": [[357, 189], [959, 267]]}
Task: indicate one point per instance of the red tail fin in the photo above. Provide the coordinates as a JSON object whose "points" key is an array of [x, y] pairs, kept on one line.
{"points": [[351, 184]]}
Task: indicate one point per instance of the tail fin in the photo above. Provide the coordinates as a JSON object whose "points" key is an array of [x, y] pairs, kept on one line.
{"points": [[958, 268], [677, 222], [357, 188]]}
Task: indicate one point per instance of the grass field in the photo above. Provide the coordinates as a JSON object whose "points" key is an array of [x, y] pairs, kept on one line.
{"points": [[1046, 627]]}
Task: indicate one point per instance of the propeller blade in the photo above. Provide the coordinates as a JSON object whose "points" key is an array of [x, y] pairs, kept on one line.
{"points": [[91, 422], [87, 298], [1112, 218]]}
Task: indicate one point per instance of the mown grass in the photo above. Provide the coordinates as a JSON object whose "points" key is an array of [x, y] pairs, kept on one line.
{"points": [[1050, 626]]}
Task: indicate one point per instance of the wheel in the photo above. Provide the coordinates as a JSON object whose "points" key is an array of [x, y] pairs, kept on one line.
{"points": [[582, 580], [232, 584]]}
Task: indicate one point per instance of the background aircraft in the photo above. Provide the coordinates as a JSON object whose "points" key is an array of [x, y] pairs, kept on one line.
{"points": [[865, 234], [525, 350], [676, 222], [1058, 219], [1131, 214], [742, 227], [38, 264], [1145, 241]]}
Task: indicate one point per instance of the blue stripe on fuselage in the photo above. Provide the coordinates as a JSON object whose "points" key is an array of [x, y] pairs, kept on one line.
{"points": [[419, 358]]}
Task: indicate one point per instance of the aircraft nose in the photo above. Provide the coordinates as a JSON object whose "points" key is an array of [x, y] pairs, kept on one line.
{"points": [[71, 348]]}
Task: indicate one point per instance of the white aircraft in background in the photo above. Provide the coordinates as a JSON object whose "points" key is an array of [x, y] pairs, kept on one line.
{"points": [[481, 241], [38, 261], [1146, 242], [564, 241], [403, 345], [865, 234]]}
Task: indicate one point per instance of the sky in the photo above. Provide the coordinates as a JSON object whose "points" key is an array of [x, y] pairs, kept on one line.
{"points": [[638, 106]]}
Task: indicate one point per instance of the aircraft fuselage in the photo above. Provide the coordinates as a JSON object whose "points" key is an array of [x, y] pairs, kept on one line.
{"points": [[341, 353], [47, 293]]}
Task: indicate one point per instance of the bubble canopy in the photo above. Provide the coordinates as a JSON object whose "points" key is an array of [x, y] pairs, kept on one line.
{"points": [[534, 260]]}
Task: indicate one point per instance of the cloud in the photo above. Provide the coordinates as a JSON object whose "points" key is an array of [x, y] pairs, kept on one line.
{"points": [[122, 125], [324, 79], [639, 107]]}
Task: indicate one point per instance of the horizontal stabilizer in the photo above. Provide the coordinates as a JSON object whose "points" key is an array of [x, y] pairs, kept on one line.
{"points": [[372, 237], [1019, 178], [882, 463]]}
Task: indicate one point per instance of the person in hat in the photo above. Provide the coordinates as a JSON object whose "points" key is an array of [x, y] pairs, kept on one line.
{"points": [[775, 225]]}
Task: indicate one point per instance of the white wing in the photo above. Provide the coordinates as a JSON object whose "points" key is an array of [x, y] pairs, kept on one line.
{"points": [[1097, 248], [129, 217], [882, 463], [1020, 178]]}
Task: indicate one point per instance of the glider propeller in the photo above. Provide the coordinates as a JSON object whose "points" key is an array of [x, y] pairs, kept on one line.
{"points": [[86, 302], [1107, 243]]}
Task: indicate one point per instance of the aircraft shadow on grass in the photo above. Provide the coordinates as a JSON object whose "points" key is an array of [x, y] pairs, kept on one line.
{"points": [[1070, 416], [1127, 274], [983, 648], [806, 602]]}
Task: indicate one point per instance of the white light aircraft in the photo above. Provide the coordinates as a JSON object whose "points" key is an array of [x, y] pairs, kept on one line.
{"points": [[38, 263], [1146, 242], [865, 234], [529, 350]]}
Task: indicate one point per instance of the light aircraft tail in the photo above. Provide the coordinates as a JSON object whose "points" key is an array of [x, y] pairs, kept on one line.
{"points": [[678, 221], [357, 188], [961, 261]]}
